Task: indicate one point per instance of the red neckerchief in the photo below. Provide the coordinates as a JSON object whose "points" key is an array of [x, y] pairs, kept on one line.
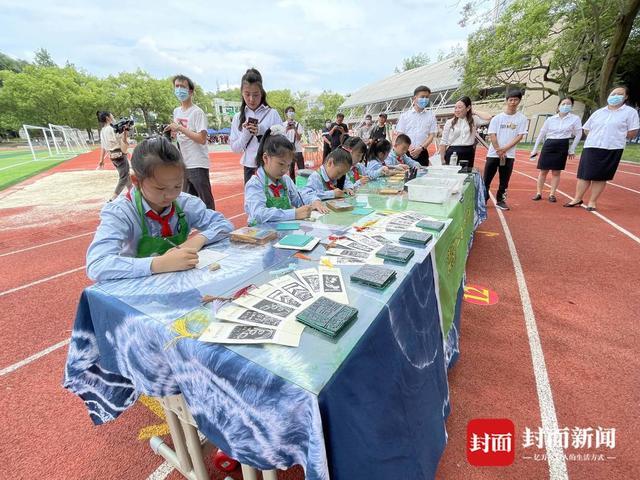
{"points": [[356, 173], [276, 189], [163, 221], [327, 183]]}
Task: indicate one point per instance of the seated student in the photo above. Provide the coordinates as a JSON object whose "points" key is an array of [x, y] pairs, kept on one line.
{"points": [[378, 153], [398, 157], [270, 195], [323, 180], [357, 175], [139, 232]]}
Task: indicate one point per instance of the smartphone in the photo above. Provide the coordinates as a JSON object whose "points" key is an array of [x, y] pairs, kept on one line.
{"points": [[252, 121]]}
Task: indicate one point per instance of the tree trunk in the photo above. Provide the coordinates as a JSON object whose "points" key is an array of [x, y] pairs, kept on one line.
{"points": [[145, 115], [624, 23]]}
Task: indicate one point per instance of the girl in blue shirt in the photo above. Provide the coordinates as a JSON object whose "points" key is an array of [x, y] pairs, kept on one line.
{"points": [[357, 175], [270, 195], [378, 153], [147, 230], [323, 182]]}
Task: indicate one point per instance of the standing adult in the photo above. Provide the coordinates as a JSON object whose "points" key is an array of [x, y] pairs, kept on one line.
{"points": [[419, 124], [116, 146], [556, 133], [364, 132], [336, 130], [253, 119], [379, 130], [190, 127], [294, 131], [326, 139], [607, 132], [459, 133]]}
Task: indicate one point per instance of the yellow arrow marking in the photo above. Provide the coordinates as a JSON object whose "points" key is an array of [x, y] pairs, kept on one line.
{"points": [[488, 234], [153, 430]]}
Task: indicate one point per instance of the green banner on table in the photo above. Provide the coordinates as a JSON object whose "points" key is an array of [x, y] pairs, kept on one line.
{"points": [[451, 255]]}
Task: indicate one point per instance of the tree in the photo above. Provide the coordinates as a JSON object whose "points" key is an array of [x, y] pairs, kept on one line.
{"points": [[231, 95], [8, 63], [415, 61], [43, 58]]}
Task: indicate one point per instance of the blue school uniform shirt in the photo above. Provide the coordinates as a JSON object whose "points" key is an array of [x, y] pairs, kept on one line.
{"points": [[255, 200], [112, 253], [392, 160], [317, 184], [374, 168], [362, 171]]}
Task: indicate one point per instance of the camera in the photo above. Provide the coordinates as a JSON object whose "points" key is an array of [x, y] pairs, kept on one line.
{"points": [[122, 125]]}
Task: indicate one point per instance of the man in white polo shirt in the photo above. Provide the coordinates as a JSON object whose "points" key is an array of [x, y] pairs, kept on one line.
{"points": [[419, 124]]}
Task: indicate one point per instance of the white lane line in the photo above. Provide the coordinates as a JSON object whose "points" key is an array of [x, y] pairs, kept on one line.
{"points": [[596, 213], [611, 183], [236, 216], [555, 452], [42, 280], [32, 358], [228, 196], [161, 472], [16, 164], [46, 244]]}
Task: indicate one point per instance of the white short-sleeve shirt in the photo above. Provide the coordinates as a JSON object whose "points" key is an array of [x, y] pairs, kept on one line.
{"points": [[417, 125], [290, 133], [506, 127], [608, 128], [194, 154]]}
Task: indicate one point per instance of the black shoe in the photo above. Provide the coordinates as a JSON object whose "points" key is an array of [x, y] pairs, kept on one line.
{"points": [[552, 198], [591, 209], [502, 205], [537, 197], [571, 205]]}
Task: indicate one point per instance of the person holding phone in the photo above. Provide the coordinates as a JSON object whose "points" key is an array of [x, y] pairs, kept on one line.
{"points": [[293, 132]]}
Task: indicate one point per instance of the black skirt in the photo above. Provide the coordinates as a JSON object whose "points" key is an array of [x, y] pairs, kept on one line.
{"points": [[553, 155], [465, 152], [599, 164]]}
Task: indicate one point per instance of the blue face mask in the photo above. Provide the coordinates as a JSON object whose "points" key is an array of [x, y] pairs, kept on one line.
{"points": [[564, 108], [614, 100], [423, 102], [181, 93]]}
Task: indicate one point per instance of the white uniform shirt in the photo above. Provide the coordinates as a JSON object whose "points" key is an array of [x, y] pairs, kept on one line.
{"points": [[507, 127], [194, 154], [460, 134], [243, 141], [417, 125], [109, 139], [291, 134], [557, 127], [608, 128]]}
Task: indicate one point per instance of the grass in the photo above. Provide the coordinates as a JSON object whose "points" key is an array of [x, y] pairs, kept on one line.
{"points": [[631, 151], [18, 165]]}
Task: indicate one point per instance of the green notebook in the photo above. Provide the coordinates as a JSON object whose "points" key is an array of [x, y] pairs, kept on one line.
{"points": [[327, 316], [294, 240], [288, 226]]}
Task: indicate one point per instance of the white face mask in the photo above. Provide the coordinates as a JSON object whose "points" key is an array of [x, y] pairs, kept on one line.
{"points": [[291, 115]]}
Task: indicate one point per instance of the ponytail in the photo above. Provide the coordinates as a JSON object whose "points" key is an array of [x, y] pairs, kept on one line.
{"points": [[251, 76]]}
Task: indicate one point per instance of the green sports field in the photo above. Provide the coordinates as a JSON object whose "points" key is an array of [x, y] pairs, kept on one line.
{"points": [[17, 165]]}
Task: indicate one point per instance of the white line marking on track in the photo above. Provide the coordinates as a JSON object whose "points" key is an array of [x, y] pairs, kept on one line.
{"points": [[596, 213], [32, 358], [45, 244], [16, 165], [555, 453], [42, 280], [236, 216], [611, 183], [162, 472]]}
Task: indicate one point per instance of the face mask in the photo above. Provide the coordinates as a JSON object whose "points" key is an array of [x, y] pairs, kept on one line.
{"points": [[291, 115], [181, 93], [565, 108], [615, 99], [327, 124], [423, 102]]}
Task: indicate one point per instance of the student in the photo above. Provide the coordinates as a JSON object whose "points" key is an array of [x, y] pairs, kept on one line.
{"points": [[419, 124], [270, 195], [459, 133], [608, 130], [138, 232], [398, 157], [357, 175], [506, 130], [326, 139], [323, 180], [379, 130], [190, 126], [253, 119], [376, 162], [116, 146], [556, 133], [293, 133]]}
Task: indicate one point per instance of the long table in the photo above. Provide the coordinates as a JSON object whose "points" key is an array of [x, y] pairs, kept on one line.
{"points": [[370, 404]]}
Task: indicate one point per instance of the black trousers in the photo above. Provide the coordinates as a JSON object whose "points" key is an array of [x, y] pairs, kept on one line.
{"points": [[196, 182], [122, 166], [298, 160], [490, 168], [423, 158], [326, 150], [248, 173]]}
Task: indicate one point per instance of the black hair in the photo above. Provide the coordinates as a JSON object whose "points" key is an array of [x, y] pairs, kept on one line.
{"points": [[340, 114], [327, 121], [102, 116], [183, 78], [340, 157], [383, 115], [421, 88], [624, 87], [513, 94], [467, 102], [566, 98], [153, 152], [402, 138], [379, 146], [273, 145], [250, 77], [368, 115], [289, 108], [354, 143]]}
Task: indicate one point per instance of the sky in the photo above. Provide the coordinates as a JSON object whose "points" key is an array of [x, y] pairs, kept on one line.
{"points": [[302, 45]]}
